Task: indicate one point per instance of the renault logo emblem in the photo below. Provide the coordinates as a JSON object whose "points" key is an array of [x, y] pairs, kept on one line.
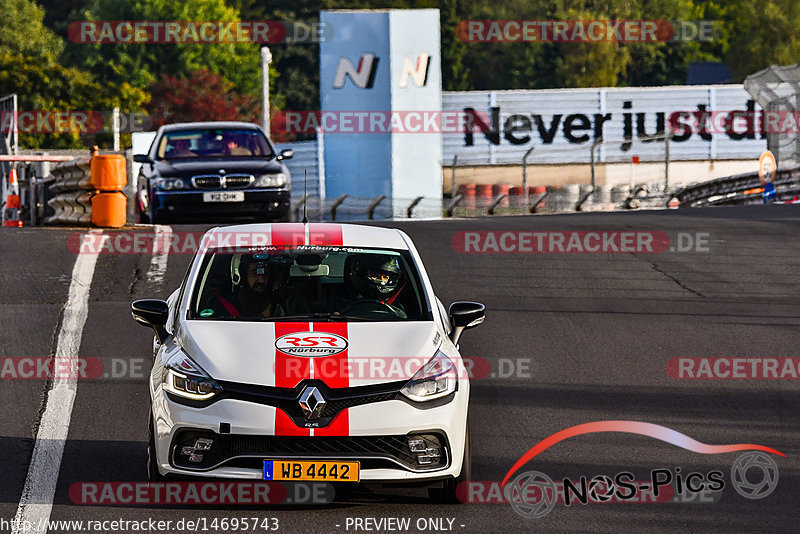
{"points": [[312, 402]]}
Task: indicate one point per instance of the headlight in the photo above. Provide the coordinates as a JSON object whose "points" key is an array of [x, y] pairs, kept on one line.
{"points": [[168, 184], [436, 379], [271, 180], [184, 378]]}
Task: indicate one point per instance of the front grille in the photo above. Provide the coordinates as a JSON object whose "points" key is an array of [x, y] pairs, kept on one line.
{"points": [[377, 451], [206, 182], [238, 181], [230, 181], [287, 399]]}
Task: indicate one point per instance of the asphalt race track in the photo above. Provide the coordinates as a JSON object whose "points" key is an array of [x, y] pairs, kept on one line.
{"points": [[598, 330]]}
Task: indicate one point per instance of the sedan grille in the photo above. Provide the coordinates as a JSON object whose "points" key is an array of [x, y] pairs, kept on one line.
{"points": [[230, 181]]}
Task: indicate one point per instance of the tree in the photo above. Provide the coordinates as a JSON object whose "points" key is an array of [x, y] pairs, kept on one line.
{"points": [[141, 64], [46, 86], [454, 75], [201, 96], [22, 30], [765, 33]]}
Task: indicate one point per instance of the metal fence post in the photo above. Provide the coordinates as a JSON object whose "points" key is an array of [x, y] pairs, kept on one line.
{"points": [[495, 203], [525, 175], [597, 143], [335, 205], [449, 209], [410, 208], [666, 162], [371, 208], [453, 176]]}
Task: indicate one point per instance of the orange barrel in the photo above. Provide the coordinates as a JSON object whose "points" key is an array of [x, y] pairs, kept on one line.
{"points": [[483, 196], [109, 210], [515, 195], [108, 172], [468, 190], [501, 189]]}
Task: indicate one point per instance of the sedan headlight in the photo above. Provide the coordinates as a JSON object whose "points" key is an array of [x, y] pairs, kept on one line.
{"points": [[271, 180], [184, 378], [436, 379], [169, 184]]}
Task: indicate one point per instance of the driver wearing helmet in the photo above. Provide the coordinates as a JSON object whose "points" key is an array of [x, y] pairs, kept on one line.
{"points": [[256, 282], [378, 277]]}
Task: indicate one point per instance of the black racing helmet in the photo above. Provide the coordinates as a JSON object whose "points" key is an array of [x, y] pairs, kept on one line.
{"points": [[377, 275]]}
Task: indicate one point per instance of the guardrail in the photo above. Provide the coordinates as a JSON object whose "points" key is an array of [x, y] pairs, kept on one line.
{"points": [[738, 189]]}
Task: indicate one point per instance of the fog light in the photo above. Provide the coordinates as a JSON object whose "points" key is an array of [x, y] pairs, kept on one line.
{"points": [[416, 445], [429, 456], [187, 451], [203, 444], [197, 458]]}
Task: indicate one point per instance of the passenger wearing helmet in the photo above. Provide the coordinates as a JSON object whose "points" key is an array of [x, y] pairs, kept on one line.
{"points": [[256, 282], [377, 277]]}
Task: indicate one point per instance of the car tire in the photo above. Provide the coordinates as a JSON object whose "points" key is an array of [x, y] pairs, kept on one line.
{"points": [[153, 474], [447, 494]]}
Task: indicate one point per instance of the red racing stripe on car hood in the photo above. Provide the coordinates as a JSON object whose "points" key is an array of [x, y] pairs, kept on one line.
{"points": [[333, 370], [289, 370]]}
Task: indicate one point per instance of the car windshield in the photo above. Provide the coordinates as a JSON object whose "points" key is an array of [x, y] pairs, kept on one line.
{"points": [[285, 283], [202, 143]]}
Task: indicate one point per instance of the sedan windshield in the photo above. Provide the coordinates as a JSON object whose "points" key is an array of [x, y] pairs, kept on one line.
{"points": [[309, 283], [181, 144]]}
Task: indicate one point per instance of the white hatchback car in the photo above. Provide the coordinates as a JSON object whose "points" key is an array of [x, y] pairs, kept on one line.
{"points": [[309, 352]]}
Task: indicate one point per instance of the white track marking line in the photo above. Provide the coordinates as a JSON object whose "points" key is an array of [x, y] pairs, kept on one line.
{"points": [[161, 247], [36, 501]]}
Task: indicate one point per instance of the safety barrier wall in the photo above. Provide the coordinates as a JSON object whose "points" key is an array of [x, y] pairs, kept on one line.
{"points": [[739, 189], [89, 191]]}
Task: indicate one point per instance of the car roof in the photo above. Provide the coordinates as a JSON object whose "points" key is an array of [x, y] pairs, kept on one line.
{"points": [[323, 234], [209, 125]]}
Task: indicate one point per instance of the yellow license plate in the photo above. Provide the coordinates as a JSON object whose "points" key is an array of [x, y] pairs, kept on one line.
{"points": [[312, 470]]}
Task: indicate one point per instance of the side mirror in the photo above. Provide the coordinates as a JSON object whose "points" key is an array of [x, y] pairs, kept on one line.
{"points": [[142, 158], [153, 313], [465, 315], [286, 154]]}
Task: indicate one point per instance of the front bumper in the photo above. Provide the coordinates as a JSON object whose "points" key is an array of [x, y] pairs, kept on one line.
{"points": [[258, 203], [377, 438]]}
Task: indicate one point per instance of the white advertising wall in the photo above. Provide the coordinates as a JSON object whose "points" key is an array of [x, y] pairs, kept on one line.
{"points": [[562, 125]]}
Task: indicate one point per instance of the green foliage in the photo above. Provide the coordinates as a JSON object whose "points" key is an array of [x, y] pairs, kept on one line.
{"points": [[22, 30], [141, 64], [763, 33], [44, 86]]}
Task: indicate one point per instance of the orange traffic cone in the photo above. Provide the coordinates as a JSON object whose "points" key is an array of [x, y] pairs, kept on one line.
{"points": [[12, 201]]}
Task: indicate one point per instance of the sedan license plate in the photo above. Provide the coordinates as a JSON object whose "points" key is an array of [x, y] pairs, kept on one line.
{"points": [[317, 471], [224, 196]]}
